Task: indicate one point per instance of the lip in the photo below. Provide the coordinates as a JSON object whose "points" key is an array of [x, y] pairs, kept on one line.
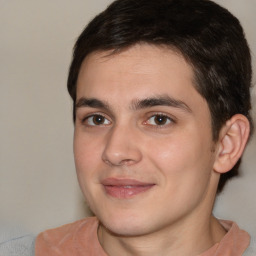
{"points": [[125, 188]]}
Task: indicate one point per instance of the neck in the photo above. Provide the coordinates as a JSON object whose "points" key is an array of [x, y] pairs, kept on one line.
{"points": [[179, 240]]}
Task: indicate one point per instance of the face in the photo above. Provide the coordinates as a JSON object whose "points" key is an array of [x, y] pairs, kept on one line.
{"points": [[143, 140]]}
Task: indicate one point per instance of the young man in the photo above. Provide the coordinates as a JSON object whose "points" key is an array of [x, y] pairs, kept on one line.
{"points": [[161, 93]]}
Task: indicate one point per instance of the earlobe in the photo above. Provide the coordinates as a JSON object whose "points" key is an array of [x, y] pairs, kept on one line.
{"points": [[232, 141]]}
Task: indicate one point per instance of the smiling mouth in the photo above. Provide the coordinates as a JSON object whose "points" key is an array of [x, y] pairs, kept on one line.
{"points": [[125, 188]]}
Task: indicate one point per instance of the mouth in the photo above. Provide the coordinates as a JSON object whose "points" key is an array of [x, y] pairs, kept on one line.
{"points": [[125, 188]]}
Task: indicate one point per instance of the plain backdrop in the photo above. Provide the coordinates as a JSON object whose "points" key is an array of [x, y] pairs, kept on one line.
{"points": [[38, 184]]}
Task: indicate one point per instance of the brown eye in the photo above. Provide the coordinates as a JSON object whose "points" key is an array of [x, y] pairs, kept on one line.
{"points": [[98, 120], [159, 120], [95, 120]]}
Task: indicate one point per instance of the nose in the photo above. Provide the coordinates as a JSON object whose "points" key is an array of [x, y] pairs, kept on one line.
{"points": [[122, 147]]}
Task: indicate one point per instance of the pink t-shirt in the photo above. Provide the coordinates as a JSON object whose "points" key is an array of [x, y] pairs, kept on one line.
{"points": [[80, 239]]}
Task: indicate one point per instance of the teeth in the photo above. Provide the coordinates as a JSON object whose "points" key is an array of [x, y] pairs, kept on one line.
{"points": [[127, 186]]}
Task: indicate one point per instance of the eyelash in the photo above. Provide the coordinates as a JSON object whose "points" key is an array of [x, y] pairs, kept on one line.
{"points": [[169, 119], [85, 120]]}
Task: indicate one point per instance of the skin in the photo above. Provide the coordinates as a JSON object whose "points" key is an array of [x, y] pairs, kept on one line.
{"points": [[167, 145]]}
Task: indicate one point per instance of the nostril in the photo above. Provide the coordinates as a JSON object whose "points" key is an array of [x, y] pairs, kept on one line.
{"points": [[126, 162], [107, 161], [118, 163]]}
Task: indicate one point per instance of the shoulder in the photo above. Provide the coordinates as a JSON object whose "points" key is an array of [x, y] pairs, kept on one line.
{"points": [[63, 238], [15, 242], [67, 231], [251, 250]]}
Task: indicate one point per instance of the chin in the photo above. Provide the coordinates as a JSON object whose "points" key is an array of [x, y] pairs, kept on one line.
{"points": [[125, 229], [121, 225]]}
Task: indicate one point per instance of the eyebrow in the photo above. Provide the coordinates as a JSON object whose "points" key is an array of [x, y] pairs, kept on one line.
{"points": [[160, 100], [92, 103]]}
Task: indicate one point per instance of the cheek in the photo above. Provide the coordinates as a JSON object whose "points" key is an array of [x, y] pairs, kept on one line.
{"points": [[86, 161], [182, 158], [183, 164], [86, 148], [173, 152], [87, 156]]}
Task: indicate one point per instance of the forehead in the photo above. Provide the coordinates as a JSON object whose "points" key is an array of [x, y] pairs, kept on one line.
{"points": [[138, 72]]}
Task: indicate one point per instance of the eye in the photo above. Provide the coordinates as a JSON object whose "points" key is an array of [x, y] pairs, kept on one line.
{"points": [[96, 120], [159, 120]]}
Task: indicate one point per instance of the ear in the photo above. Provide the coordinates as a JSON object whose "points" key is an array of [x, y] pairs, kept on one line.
{"points": [[231, 144]]}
